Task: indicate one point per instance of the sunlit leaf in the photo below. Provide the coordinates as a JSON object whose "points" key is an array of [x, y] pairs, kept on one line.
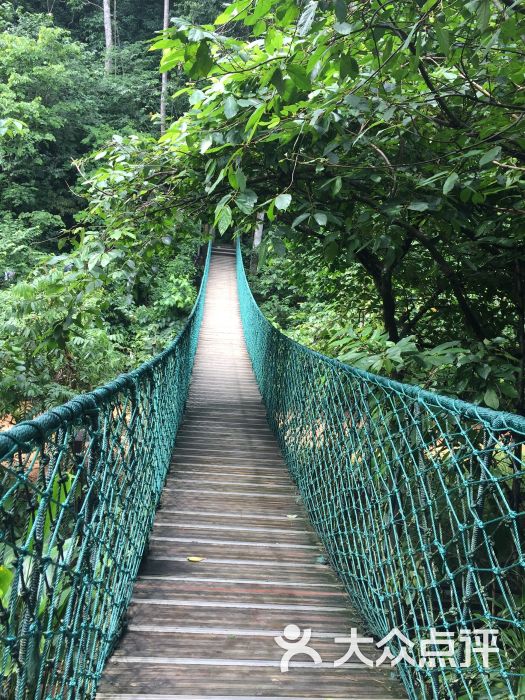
{"points": [[307, 18], [283, 201]]}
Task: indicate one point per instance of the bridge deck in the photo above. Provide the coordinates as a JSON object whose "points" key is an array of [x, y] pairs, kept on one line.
{"points": [[204, 629]]}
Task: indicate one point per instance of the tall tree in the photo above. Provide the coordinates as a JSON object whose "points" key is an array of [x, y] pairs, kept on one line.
{"points": [[164, 89], [257, 240], [108, 33]]}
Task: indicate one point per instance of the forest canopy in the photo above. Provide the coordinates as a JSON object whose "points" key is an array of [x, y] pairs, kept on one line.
{"points": [[67, 323], [378, 146]]}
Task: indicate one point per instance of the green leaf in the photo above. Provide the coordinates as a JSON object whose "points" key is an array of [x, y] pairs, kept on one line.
{"points": [[246, 200], [348, 66], [465, 194], [484, 371], [206, 144], [299, 76], [491, 399], [196, 96], [450, 183], [443, 38], [241, 179], [223, 218], [343, 28], [490, 155], [6, 576], [289, 16], [259, 28], [418, 206], [14, 126], [409, 37], [283, 201], [340, 10], [321, 218], [233, 11], [254, 119], [203, 61], [299, 219], [171, 59], [232, 179], [337, 186], [478, 198], [277, 80], [483, 14], [273, 40], [307, 18], [262, 7], [231, 107], [165, 44]]}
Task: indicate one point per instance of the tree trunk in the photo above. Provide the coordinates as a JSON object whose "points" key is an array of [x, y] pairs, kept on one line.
{"points": [[257, 240], [114, 23], [164, 88], [382, 277], [108, 33], [388, 301]]}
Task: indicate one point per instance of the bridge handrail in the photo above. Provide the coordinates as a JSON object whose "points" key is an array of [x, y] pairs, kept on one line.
{"points": [[417, 498], [80, 487]]}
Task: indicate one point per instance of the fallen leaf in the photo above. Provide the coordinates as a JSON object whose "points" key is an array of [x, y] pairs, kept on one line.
{"points": [[195, 559], [292, 517]]}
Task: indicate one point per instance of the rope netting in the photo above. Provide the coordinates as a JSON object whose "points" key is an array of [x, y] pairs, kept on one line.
{"points": [[418, 500], [79, 489]]}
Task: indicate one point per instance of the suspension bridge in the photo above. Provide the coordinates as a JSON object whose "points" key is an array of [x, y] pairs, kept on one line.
{"points": [[159, 532]]}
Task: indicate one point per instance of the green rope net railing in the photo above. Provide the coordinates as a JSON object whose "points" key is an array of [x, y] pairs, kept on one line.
{"points": [[80, 487], [418, 500]]}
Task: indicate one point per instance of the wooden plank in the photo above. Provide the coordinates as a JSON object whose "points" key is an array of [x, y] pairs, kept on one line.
{"points": [[300, 588], [237, 680], [257, 467], [205, 629], [149, 696], [241, 476], [236, 592], [270, 486], [244, 515], [234, 568], [173, 528], [225, 646], [265, 556]]}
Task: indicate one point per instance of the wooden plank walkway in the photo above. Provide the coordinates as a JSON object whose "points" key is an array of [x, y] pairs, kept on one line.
{"points": [[205, 629]]}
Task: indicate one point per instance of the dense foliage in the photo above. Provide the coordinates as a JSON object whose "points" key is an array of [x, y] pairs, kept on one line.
{"points": [[382, 143], [71, 318]]}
